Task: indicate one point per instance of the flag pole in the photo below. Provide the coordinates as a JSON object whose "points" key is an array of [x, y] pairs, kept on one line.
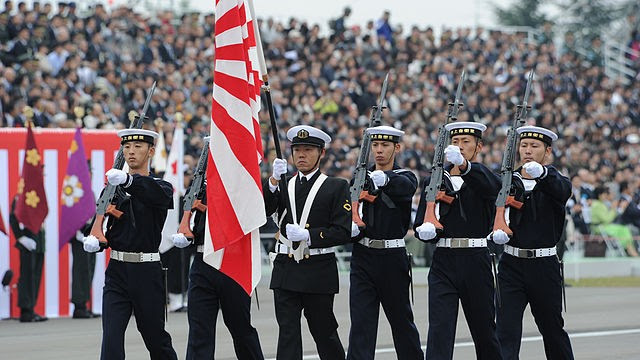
{"points": [[282, 184]]}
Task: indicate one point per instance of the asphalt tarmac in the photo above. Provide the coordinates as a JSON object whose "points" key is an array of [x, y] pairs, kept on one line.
{"points": [[604, 323]]}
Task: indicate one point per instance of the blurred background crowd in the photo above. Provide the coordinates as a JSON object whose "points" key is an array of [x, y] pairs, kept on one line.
{"points": [[90, 69]]}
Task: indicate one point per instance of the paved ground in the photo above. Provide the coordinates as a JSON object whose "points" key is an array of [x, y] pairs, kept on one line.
{"points": [[604, 324]]}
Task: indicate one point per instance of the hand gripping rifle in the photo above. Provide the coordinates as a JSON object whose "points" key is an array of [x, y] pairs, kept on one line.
{"points": [[505, 197], [357, 191], [191, 201], [104, 206], [434, 191]]}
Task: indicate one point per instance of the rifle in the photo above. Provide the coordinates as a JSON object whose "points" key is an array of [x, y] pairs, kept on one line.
{"points": [[357, 191], [191, 201], [104, 206], [434, 191], [505, 198]]}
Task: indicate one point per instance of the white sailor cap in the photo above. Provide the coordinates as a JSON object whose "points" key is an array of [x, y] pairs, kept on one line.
{"points": [[465, 128], [143, 135], [308, 135], [385, 133], [539, 133]]}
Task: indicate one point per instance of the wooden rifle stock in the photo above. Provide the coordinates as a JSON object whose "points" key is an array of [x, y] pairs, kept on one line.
{"points": [[443, 197], [367, 196], [500, 223], [96, 230], [111, 210], [430, 216], [184, 226]]}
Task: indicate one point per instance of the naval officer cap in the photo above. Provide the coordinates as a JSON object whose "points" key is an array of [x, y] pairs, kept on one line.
{"points": [[385, 133], [143, 135], [465, 128], [539, 133], [308, 135]]}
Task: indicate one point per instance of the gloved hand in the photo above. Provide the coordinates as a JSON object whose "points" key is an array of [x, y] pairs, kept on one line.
{"points": [[534, 169], [500, 237], [180, 241], [355, 230], [279, 168], [27, 242], [379, 178], [296, 234], [91, 244], [426, 231], [453, 155], [117, 177], [79, 236]]}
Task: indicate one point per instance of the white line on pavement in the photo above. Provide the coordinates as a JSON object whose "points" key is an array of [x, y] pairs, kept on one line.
{"points": [[587, 334]]}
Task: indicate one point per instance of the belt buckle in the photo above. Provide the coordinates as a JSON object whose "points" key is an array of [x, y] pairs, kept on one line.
{"points": [[528, 253], [459, 243], [130, 257]]}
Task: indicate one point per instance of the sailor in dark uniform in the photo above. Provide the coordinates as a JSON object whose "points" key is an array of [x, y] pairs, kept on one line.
{"points": [[209, 291], [461, 268], [379, 262], [134, 279], [305, 273], [31, 247], [529, 270]]}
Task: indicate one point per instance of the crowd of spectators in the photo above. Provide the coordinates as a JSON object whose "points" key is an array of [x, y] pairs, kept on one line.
{"points": [[90, 69]]}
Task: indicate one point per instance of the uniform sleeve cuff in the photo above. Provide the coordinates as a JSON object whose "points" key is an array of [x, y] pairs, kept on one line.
{"points": [[272, 187], [468, 168], [128, 182], [545, 172]]}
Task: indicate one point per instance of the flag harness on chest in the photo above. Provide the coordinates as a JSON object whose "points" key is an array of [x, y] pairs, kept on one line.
{"points": [[303, 249]]}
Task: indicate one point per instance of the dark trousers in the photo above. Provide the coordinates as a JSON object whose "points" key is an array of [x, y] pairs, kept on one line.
{"points": [[176, 261], [464, 275], [538, 283], [136, 288], [30, 277], [381, 276], [211, 291], [318, 310], [82, 269]]}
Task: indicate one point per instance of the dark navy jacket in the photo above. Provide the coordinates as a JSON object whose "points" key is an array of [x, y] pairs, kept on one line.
{"points": [[390, 222], [471, 213], [540, 221], [144, 205]]}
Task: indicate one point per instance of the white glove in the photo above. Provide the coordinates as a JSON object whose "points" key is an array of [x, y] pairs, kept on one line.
{"points": [[91, 244], [355, 230], [79, 236], [379, 178], [180, 241], [500, 237], [426, 231], [279, 168], [27, 242], [296, 234], [452, 154], [116, 177], [534, 169]]}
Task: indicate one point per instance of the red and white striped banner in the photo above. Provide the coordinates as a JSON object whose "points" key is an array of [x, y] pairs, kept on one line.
{"points": [[101, 146], [234, 194]]}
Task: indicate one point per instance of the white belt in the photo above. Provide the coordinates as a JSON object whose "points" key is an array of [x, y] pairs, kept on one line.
{"points": [[529, 253], [284, 249], [462, 243], [134, 257], [382, 244], [200, 248]]}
